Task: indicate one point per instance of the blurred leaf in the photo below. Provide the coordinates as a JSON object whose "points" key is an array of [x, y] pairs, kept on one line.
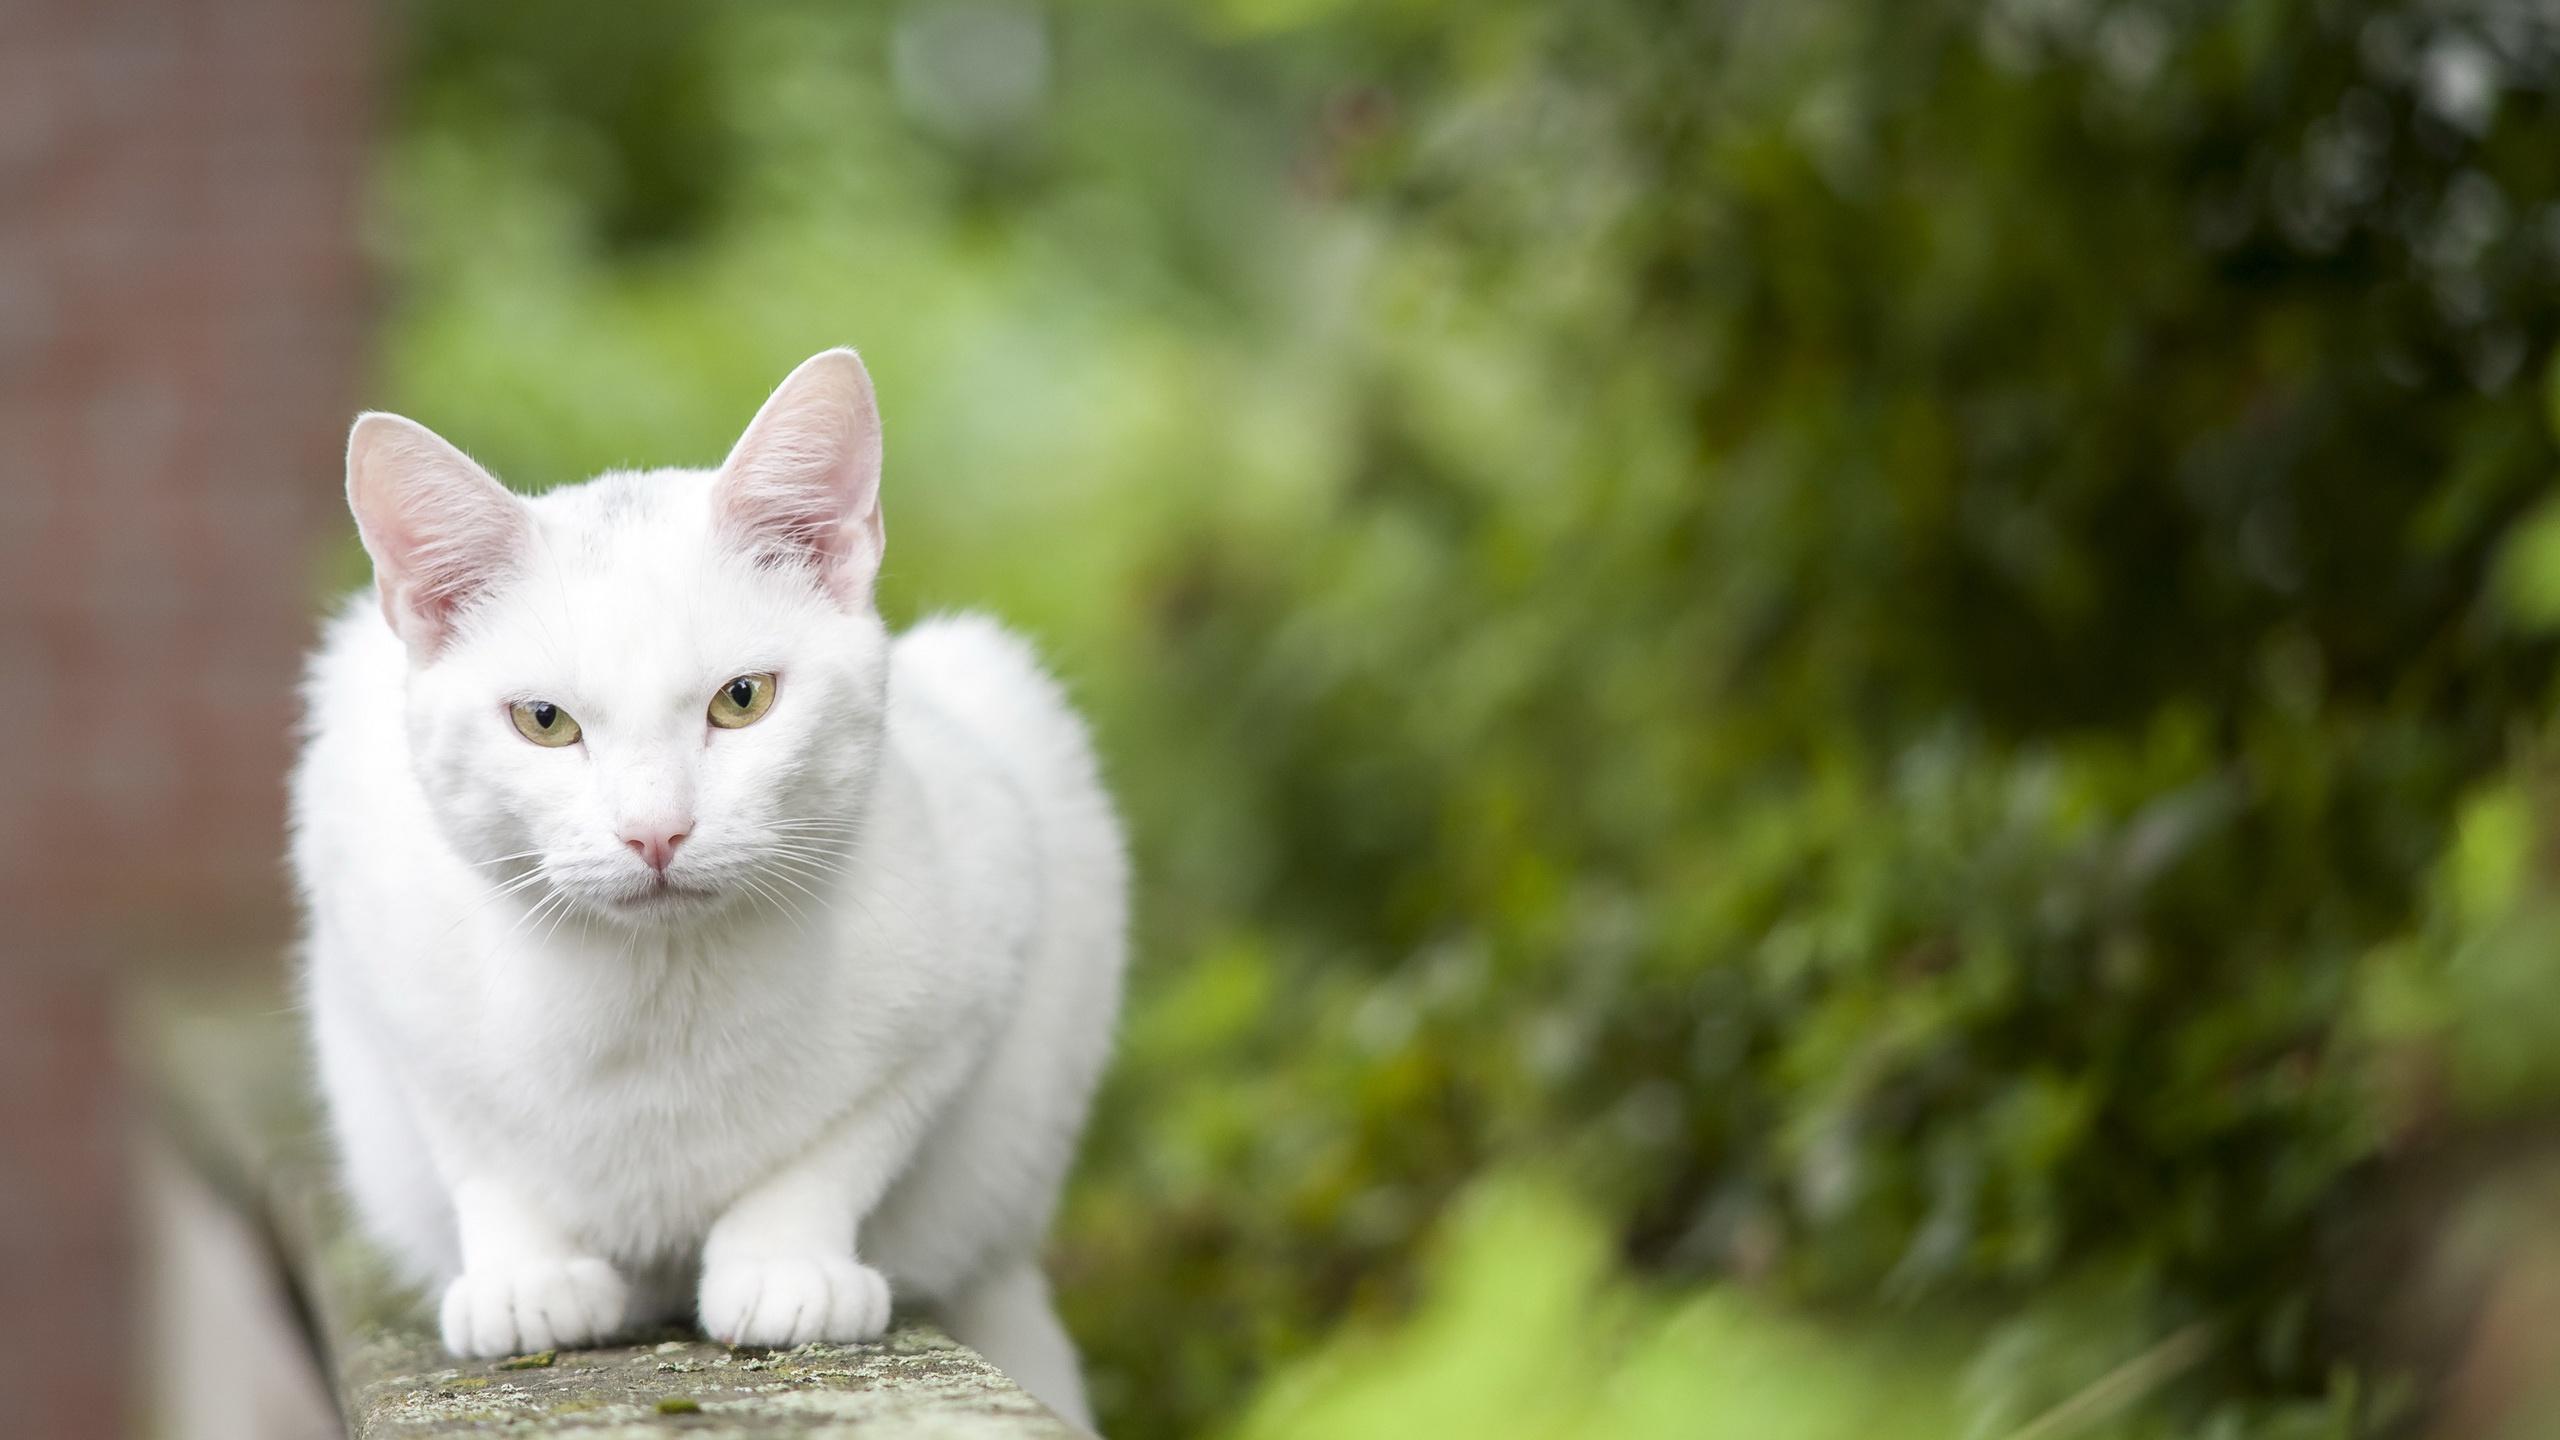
{"points": [[1524, 1333], [2530, 569]]}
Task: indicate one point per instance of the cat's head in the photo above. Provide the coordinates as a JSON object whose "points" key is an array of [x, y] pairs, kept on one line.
{"points": [[655, 695]]}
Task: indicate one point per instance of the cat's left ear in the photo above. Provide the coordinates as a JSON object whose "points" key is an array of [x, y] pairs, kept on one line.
{"points": [[802, 488]]}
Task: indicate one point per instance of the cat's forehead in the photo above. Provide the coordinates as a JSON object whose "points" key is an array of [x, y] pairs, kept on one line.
{"points": [[606, 520], [629, 587]]}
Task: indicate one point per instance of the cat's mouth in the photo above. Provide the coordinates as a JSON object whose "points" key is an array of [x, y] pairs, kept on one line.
{"points": [[662, 896]]}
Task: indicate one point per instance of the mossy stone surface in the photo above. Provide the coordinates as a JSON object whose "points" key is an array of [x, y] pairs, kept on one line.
{"points": [[913, 1382]]}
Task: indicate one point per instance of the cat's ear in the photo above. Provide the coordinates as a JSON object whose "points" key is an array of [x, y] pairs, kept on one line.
{"points": [[802, 487], [440, 530]]}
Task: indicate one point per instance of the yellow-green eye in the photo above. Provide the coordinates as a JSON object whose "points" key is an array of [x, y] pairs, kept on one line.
{"points": [[544, 723], [742, 701]]}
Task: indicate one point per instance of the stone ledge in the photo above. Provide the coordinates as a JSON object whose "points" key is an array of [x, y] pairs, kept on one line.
{"points": [[914, 1382], [228, 1089]]}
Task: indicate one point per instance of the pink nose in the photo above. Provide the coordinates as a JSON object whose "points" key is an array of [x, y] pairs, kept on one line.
{"points": [[655, 844]]}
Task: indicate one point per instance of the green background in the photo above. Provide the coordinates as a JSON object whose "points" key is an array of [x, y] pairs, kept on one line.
{"points": [[1833, 709]]}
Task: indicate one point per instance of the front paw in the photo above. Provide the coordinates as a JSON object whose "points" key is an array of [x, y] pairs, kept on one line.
{"points": [[784, 1302], [532, 1305]]}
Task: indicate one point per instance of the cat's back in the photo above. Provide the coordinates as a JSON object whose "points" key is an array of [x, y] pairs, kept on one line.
{"points": [[967, 689], [357, 669], [356, 805], [966, 678]]}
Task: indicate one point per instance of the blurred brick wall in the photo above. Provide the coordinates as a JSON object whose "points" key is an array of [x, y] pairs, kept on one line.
{"points": [[180, 320]]}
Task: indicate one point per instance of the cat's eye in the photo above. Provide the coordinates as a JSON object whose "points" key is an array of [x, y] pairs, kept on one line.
{"points": [[742, 701], [544, 723]]}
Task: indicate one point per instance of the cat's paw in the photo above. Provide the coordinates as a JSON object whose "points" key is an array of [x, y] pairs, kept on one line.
{"points": [[532, 1305], [792, 1301]]}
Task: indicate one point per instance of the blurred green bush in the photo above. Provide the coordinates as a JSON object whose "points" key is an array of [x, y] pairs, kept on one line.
{"points": [[1905, 638], [1524, 1335]]}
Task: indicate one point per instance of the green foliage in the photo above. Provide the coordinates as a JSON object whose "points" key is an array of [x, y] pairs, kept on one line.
{"points": [[1893, 632], [1524, 1336]]}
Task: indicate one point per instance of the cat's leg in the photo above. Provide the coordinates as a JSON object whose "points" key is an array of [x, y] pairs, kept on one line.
{"points": [[524, 1285], [778, 1267], [1007, 1317]]}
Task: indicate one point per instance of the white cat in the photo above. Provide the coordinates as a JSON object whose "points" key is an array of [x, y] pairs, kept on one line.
{"points": [[676, 939]]}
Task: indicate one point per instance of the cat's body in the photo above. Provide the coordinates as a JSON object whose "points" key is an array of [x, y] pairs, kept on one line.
{"points": [[676, 1015]]}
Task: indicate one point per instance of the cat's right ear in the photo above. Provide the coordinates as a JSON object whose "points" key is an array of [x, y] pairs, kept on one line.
{"points": [[440, 530]]}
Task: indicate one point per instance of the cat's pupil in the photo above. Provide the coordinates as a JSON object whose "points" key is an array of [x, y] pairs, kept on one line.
{"points": [[544, 713], [741, 691]]}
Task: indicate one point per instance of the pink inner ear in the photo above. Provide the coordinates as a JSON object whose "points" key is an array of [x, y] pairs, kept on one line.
{"points": [[802, 487], [441, 531]]}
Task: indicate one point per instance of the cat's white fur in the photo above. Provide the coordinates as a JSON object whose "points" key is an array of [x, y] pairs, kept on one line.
{"points": [[840, 1047]]}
